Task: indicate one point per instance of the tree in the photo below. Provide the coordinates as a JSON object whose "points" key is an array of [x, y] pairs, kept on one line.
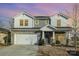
{"points": [[75, 23], [75, 26]]}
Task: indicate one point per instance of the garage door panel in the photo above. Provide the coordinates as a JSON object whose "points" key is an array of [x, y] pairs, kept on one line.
{"points": [[25, 38]]}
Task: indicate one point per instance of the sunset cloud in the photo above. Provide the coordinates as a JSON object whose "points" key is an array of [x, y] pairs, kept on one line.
{"points": [[34, 8]]}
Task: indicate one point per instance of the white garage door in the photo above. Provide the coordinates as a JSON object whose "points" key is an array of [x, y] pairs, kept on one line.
{"points": [[25, 39]]}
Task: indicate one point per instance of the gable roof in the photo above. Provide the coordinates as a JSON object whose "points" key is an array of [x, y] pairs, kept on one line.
{"points": [[25, 13], [48, 28], [63, 15]]}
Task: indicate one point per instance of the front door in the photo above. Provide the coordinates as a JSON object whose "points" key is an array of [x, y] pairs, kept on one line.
{"points": [[60, 37], [48, 35]]}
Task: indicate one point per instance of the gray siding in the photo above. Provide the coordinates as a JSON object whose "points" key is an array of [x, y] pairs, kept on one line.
{"points": [[41, 23]]}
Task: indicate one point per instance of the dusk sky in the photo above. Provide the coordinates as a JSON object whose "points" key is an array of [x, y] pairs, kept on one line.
{"points": [[34, 9], [8, 10]]}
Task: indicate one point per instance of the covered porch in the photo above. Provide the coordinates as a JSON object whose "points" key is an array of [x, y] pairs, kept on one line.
{"points": [[53, 35], [48, 34]]}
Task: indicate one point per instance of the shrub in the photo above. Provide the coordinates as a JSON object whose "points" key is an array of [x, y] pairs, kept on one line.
{"points": [[67, 42], [57, 42], [5, 39], [41, 42], [51, 42]]}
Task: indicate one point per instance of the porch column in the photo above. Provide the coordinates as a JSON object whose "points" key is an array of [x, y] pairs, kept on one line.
{"points": [[54, 37], [43, 35]]}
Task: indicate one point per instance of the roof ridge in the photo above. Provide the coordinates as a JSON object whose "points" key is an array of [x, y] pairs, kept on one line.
{"points": [[24, 13]]}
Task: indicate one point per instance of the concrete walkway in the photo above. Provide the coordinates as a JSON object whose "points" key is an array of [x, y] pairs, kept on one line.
{"points": [[19, 50]]}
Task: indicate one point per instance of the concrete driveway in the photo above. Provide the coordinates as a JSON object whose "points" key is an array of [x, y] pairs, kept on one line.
{"points": [[19, 50]]}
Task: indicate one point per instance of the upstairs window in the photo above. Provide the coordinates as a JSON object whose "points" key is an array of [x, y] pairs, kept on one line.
{"points": [[58, 23], [26, 23], [23, 22]]}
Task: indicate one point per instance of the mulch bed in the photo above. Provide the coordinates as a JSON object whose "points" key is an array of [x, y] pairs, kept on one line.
{"points": [[49, 50]]}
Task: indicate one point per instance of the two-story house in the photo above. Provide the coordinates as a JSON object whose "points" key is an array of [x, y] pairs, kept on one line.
{"points": [[23, 30], [28, 29]]}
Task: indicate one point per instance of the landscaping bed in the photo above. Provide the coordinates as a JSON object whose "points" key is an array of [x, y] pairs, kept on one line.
{"points": [[49, 50]]}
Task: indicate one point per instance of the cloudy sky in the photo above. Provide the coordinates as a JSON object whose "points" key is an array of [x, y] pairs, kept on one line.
{"points": [[8, 10], [48, 9]]}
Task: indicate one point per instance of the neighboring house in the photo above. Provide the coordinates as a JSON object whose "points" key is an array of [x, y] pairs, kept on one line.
{"points": [[4, 36], [29, 29]]}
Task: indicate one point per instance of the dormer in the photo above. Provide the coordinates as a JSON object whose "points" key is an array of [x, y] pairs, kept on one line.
{"points": [[23, 20]]}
